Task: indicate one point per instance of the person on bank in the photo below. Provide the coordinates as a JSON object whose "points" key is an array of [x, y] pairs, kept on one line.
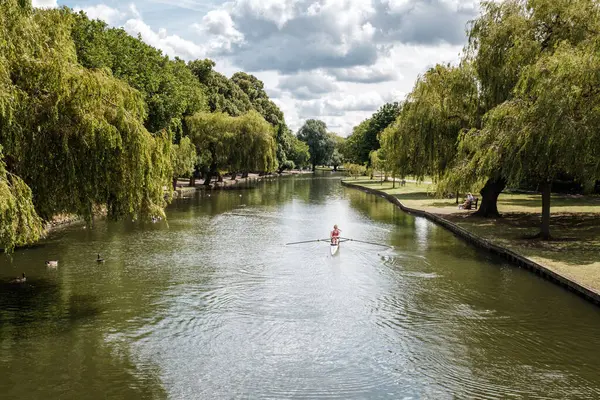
{"points": [[467, 204]]}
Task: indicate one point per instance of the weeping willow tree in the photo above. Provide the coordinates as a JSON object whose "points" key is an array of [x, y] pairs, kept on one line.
{"points": [[19, 222], [549, 128], [213, 136], [245, 143], [72, 138], [255, 148], [507, 39], [183, 159], [423, 139]]}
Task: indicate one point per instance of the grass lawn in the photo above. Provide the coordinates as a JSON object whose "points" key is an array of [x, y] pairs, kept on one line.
{"points": [[575, 225]]}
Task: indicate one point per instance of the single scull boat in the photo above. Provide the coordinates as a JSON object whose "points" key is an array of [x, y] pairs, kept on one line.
{"points": [[334, 248]]}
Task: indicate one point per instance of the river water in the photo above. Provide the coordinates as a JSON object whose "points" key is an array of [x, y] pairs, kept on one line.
{"points": [[212, 305]]}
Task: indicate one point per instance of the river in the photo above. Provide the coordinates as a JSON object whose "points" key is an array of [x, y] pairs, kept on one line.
{"points": [[211, 304]]}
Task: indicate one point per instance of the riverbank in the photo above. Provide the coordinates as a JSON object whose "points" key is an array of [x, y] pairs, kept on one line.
{"points": [[183, 185], [571, 259]]}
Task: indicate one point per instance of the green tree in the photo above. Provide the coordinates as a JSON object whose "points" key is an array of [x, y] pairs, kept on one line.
{"points": [[170, 90], [337, 156], [183, 159], [255, 147], [214, 137], [320, 144], [549, 127], [245, 143], [336, 159], [254, 89], [424, 139], [365, 136], [377, 123], [299, 153], [355, 143], [285, 147], [355, 170], [19, 222], [506, 39], [224, 95], [73, 136]]}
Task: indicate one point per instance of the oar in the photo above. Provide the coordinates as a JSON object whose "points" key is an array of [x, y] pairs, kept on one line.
{"points": [[362, 241], [309, 241]]}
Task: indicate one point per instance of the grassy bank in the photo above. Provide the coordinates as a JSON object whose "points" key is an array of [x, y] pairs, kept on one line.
{"points": [[575, 224]]}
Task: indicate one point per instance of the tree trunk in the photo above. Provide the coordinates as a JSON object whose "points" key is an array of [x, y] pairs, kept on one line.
{"points": [[457, 197], [209, 174], [245, 174], [489, 198], [174, 183], [335, 168], [314, 167], [393, 180], [233, 176], [194, 176], [545, 227]]}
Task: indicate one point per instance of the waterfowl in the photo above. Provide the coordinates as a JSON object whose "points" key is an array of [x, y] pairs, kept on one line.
{"points": [[19, 280], [99, 259], [51, 263]]}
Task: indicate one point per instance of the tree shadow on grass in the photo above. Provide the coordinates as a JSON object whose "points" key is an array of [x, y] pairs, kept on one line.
{"points": [[444, 204], [576, 237], [535, 201], [414, 196]]}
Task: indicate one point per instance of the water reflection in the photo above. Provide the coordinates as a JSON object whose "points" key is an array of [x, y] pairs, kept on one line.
{"points": [[422, 233]]}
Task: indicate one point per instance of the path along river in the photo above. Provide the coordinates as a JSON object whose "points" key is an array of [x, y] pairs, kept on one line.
{"points": [[211, 304]]}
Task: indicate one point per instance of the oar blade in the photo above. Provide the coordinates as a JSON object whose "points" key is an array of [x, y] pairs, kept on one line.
{"points": [[308, 241], [362, 241]]}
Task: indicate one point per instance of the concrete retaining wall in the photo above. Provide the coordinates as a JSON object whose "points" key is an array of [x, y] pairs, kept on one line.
{"points": [[509, 255]]}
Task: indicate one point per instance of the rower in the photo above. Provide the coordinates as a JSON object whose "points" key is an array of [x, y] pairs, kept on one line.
{"points": [[335, 235]]}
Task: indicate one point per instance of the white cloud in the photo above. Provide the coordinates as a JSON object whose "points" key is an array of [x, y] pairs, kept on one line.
{"points": [[383, 71], [338, 105], [134, 11], [218, 26], [101, 11], [172, 45], [307, 85], [276, 11], [44, 3]]}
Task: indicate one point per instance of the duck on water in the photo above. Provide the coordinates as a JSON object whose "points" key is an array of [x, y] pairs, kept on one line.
{"points": [[21, 279]]}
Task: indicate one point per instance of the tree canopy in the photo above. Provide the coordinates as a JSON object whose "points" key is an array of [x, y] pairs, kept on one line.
{"points": [[320, 144], [254, 89], [245, 143], [424, 139], [170, 89], [365, 136]]}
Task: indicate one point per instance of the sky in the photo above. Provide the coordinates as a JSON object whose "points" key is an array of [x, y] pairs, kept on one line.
{"points": [[333, 60]]}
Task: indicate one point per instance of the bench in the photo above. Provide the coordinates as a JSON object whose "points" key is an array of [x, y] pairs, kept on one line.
{"points": [[470, 206], [473, 205]]}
